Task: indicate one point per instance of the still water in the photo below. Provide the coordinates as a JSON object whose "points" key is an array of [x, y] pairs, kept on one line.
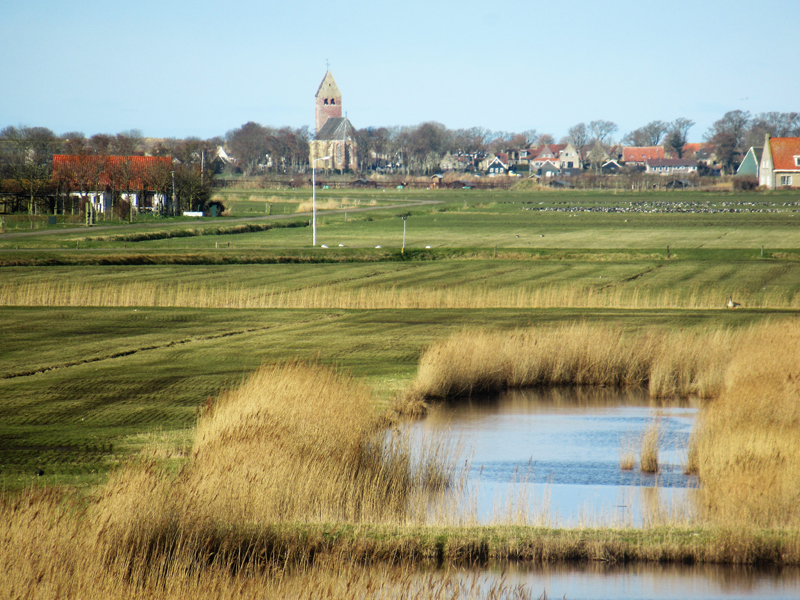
{"points": [[597, 581], [555, 455]]}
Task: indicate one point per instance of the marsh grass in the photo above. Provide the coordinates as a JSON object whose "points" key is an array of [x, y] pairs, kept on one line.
{"points": [[334, 203], [577, 354], [745, 449], [627, 455], [294, 489], [60, 292], [649, 446]]}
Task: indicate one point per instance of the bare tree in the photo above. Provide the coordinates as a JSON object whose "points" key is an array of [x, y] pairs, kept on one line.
{"points": [[654, 131], [735, 123], [74, 143], [249, 145], [28, 156], [776, 124], [602, 129], [579, 136]]}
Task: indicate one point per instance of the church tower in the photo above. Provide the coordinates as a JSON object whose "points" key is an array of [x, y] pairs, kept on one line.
{"points": [[335, 133], [328, 101]]}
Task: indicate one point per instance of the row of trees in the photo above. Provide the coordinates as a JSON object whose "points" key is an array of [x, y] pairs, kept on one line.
{"points": [[26, 152], [29, 183]]}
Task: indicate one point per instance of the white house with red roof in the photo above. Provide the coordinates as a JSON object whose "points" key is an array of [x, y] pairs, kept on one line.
{"points": [[563, 156], [144, 181], [780, 163]]}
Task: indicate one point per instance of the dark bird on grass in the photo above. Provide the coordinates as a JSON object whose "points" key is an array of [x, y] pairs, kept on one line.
{"points": [[39, 473]]}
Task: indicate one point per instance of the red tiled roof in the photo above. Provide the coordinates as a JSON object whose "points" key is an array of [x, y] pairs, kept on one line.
{"points": [[642, 153], [783, 152], [692, 148], [101, 170]]}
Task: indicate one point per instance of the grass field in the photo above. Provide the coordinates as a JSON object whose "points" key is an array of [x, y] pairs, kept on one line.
{"points": [[113, 339], [98, 333]]}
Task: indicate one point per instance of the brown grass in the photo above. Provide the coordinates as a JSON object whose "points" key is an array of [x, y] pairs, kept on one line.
{"points": [[578, 354], [166, 294], [747, 448], [648, 452], [293, 484]]}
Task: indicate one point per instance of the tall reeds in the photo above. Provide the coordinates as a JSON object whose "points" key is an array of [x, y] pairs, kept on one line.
{"points": [[577, 354], [465, 296], [746, 450], [648, 454]]}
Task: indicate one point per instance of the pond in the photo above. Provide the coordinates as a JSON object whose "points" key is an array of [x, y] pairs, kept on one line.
{"points": [[554, 456], [597, 581]]}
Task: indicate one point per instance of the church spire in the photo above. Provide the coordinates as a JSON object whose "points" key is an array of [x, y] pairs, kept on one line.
{"points": [[328, 101]]}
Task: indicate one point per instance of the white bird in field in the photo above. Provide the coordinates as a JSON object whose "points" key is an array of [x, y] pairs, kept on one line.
{"points": [[732, 304]]}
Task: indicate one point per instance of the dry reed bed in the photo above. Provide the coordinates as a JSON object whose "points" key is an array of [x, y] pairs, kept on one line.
{"points": [[145, 294], [671, 364], [746, 448], [54, 548], [292, 482]]}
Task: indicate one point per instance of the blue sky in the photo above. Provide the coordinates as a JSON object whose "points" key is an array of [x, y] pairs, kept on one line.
{"points": [[174, 68]]}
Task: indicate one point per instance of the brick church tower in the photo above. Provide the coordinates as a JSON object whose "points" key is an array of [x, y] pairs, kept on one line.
{"points": [[328, 101], [334, 133]]}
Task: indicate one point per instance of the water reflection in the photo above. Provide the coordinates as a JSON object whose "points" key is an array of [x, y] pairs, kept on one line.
{"points": [[648, 580], [554, 455]]}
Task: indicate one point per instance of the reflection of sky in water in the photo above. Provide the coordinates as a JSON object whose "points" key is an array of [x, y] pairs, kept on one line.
{"points": [[566, 445], [647, 580]]}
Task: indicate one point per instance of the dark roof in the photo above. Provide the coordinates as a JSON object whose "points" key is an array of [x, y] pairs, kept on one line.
{"points": [[335, 128]]}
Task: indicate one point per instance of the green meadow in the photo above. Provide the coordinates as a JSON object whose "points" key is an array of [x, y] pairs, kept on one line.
{"points": [[113, 336]]}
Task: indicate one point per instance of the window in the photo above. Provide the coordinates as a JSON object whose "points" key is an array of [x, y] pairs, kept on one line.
{"points": [[325, 101], [333, 100], [786, 180], [797, 161]]}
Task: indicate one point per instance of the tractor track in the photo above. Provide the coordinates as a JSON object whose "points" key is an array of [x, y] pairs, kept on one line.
{"points": [[173, 343]]}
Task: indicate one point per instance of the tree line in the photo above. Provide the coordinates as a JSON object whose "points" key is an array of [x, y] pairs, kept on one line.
{"points": [[26, 153], [28, 182]]}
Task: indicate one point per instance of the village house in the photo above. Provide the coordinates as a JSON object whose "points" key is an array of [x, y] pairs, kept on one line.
{"points": [[751, 162], [546, 153], [639, 155], [141, 180], [780, 163], [569, 157], [671, 166], [497, 167]]}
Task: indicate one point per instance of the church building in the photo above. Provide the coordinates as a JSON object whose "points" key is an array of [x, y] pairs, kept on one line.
{"points": [[335, 135]]}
